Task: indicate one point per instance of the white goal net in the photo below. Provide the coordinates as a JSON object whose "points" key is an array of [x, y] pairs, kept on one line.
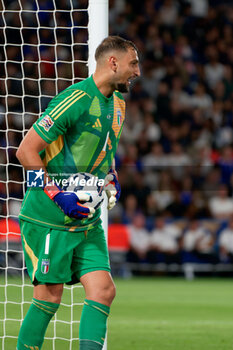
{"points": [[43, 49]]}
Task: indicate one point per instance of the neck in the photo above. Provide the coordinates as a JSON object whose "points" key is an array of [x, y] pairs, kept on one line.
{"points": [[103, 84]]}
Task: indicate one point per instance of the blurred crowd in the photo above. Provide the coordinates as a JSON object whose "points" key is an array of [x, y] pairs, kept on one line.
{"points": [[177, 140], [173, 242], [175, 158]]}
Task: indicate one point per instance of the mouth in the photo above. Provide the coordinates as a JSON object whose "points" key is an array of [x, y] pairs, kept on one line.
{"points": [[129, 81]]}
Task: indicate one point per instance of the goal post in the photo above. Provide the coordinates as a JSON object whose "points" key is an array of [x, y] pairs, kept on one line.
{"points": [[97, 28], [45, 46], [97, 31]]}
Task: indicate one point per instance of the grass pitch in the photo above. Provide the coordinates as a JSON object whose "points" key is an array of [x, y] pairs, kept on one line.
{"points": [[148, 313]]}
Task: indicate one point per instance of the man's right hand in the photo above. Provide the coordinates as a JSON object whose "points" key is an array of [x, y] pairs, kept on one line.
{"points": [[69, 202]]}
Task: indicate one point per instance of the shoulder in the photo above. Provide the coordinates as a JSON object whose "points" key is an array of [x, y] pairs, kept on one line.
{"points": [[84, 86], [74, 100], [76, 93], [74, 90]]}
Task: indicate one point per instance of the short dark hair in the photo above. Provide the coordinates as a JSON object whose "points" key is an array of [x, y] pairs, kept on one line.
{"points": [[114, 42]]}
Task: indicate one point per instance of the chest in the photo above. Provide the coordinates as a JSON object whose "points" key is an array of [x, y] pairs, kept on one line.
{"points": [[98, 129], [104, 117]]}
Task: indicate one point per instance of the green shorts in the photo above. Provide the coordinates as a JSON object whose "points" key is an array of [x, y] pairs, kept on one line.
{"points": [[54, 256]]}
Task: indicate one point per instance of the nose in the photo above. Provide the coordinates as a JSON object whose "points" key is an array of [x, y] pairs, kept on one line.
{"points": [[137, 71]]}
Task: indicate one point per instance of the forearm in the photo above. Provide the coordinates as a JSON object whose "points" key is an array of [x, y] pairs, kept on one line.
{"points": [[31, 160], [29, 149]]}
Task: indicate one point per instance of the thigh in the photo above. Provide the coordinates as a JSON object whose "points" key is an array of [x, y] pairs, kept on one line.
{"points": [[48, 253], [91, 254]]}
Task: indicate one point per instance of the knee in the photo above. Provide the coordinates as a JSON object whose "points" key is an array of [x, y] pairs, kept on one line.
{"points": [[56, 299], [49, 292], [56, 294], [105, 294], [111, 293]]}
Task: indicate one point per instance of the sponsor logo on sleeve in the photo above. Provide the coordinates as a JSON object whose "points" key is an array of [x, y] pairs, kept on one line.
{"points": [[46, 123]]}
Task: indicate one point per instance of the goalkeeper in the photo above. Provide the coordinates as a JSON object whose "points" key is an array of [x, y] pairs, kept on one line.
{"points": [[63, 239]]}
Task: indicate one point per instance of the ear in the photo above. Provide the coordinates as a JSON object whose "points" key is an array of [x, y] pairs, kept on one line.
{"points": [[113, 63]]}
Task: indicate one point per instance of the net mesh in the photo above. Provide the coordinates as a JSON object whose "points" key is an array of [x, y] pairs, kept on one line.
{"points": [[43, 49]]}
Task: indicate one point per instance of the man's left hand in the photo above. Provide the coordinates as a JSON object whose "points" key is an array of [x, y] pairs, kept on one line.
{"points": [[112, 188]]}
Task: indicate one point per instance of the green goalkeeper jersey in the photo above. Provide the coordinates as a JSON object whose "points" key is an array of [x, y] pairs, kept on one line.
{"points": [[82, 128]]}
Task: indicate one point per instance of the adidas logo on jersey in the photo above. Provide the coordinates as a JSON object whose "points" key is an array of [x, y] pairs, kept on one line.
{"points": [[97, 124]]}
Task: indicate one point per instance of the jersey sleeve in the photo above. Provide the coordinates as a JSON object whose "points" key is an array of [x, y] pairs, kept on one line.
{"points": [[62, 112]]}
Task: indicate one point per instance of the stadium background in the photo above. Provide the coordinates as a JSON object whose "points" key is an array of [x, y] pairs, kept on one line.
{"points": [[175, 165], [175, 159]]}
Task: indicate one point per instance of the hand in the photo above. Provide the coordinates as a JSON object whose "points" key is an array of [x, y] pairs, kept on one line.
{"points": [[112, 188], [69, 202]]}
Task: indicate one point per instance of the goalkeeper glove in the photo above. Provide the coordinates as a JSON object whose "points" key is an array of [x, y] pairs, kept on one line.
{"points": [[69, 202], [112, 188]]}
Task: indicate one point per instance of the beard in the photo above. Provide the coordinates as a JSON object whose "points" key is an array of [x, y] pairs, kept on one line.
{"points": [[122, 87]]}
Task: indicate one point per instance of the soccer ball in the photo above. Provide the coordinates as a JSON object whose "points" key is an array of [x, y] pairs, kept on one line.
{"points": [[89, 184]]}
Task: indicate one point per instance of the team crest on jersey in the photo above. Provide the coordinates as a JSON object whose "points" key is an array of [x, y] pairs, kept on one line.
{"points": [[119, 117], [46, 123], [45, 266]]}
